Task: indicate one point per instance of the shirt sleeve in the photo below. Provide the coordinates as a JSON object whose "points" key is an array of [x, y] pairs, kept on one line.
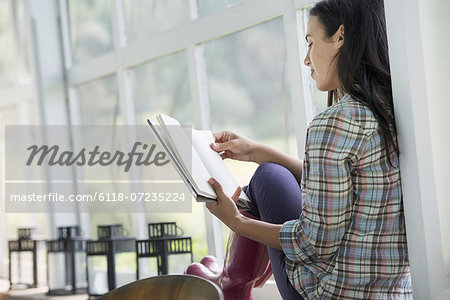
{"points": [[333, 144]]}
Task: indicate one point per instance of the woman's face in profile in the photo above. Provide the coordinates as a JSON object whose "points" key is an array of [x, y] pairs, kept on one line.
{"points": [[321, 53]]}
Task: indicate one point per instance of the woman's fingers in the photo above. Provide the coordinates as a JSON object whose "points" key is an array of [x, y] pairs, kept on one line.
{"points": [[220, 137], [226, 154], [236, 194], [229, 145], [218, 147], [224, 136], [217, 187], [219, 190]]}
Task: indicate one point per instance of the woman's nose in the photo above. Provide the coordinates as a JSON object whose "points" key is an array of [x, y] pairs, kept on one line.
{"points": [[307, 61]]}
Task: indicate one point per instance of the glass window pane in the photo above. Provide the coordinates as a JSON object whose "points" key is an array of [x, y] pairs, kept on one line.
{"points": [[57, 271], [249, 90], [90, 28], [80, 269], [147, 17], [97, 274], [7, 49], [162, 86], [14, 60], [99, 102], [10, 222], [23, 60], [318, 98], [25, 267], [209, 6], [248, 86], [100, 105], [148, 267], [125, 268]]}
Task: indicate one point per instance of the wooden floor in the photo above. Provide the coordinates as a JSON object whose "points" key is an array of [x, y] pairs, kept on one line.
{"points": [[269, 291], [32, 294]]}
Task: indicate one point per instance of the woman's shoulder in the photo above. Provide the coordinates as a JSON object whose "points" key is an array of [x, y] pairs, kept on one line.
{"points": [[347, 111]]}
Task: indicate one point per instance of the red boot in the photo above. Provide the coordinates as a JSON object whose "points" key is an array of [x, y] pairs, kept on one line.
{"points": [[247, 266]]}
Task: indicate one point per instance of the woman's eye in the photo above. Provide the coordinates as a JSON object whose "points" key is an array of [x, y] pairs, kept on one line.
{"points": [[310, 45]]}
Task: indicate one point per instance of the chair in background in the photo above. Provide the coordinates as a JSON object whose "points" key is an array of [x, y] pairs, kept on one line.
{"points": [[167, 287]]}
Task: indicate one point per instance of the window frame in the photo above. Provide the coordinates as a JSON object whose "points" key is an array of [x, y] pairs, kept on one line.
{"points": [[189, 36]]}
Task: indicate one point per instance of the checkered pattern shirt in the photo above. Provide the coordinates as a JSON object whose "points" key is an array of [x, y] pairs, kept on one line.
{"points": [[350, 240]]}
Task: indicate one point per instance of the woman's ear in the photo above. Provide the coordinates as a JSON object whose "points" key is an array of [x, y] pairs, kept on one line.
{"points": [[340, 35]]}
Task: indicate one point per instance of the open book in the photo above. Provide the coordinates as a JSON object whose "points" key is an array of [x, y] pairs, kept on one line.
{"points": [[195, 161]]}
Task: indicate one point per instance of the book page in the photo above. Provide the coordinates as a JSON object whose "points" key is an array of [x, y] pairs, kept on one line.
{"points": [[201, 139], [160, 135], [186, 154]]}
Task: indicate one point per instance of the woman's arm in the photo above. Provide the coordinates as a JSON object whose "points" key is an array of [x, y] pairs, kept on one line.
{"points": [[260, 231], [262, 153], [225, 209]]}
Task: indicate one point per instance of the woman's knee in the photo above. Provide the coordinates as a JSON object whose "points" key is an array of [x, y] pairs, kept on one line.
{"points": [[269, 172], [272, 178], [276, 193]]}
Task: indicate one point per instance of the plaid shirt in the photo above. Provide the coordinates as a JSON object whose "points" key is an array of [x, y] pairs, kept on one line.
{"points": [[350, 240]]}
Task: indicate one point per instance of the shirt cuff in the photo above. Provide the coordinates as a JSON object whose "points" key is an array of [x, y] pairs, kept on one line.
{"points": [[295, 244]]}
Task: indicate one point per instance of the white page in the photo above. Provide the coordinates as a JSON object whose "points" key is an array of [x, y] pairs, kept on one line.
{"points": [[171, 145], [160, 135], [187, 153], [201, 139]]}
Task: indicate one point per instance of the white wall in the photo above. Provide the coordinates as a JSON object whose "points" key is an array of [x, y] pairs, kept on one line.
{"points": [[419, 55], [435, 32]]}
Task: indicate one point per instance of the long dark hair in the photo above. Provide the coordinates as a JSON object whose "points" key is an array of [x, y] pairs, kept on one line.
{"points": [[363, 61]]}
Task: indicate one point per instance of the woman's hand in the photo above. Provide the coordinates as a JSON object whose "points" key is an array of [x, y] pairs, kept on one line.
{"points": [[226, 210], [234, 146], [225, 207]]}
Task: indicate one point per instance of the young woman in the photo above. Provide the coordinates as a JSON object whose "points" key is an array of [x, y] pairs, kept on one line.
{"points": [[341, 234]]}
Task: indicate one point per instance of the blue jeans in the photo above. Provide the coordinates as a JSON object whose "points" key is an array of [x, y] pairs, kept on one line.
{"points": [[276, 198]]}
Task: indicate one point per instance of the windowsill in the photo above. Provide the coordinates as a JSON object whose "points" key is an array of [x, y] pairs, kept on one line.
{"points": [[268, 292]]}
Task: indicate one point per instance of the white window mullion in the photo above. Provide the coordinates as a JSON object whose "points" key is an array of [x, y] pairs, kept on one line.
{"points": [[199, 86], [245, 14], [74, 115], [301, 111], [199, 91], [138, 221], [65, 32], [193, 10], [96, 68], [202, 119], [299, 4]]}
